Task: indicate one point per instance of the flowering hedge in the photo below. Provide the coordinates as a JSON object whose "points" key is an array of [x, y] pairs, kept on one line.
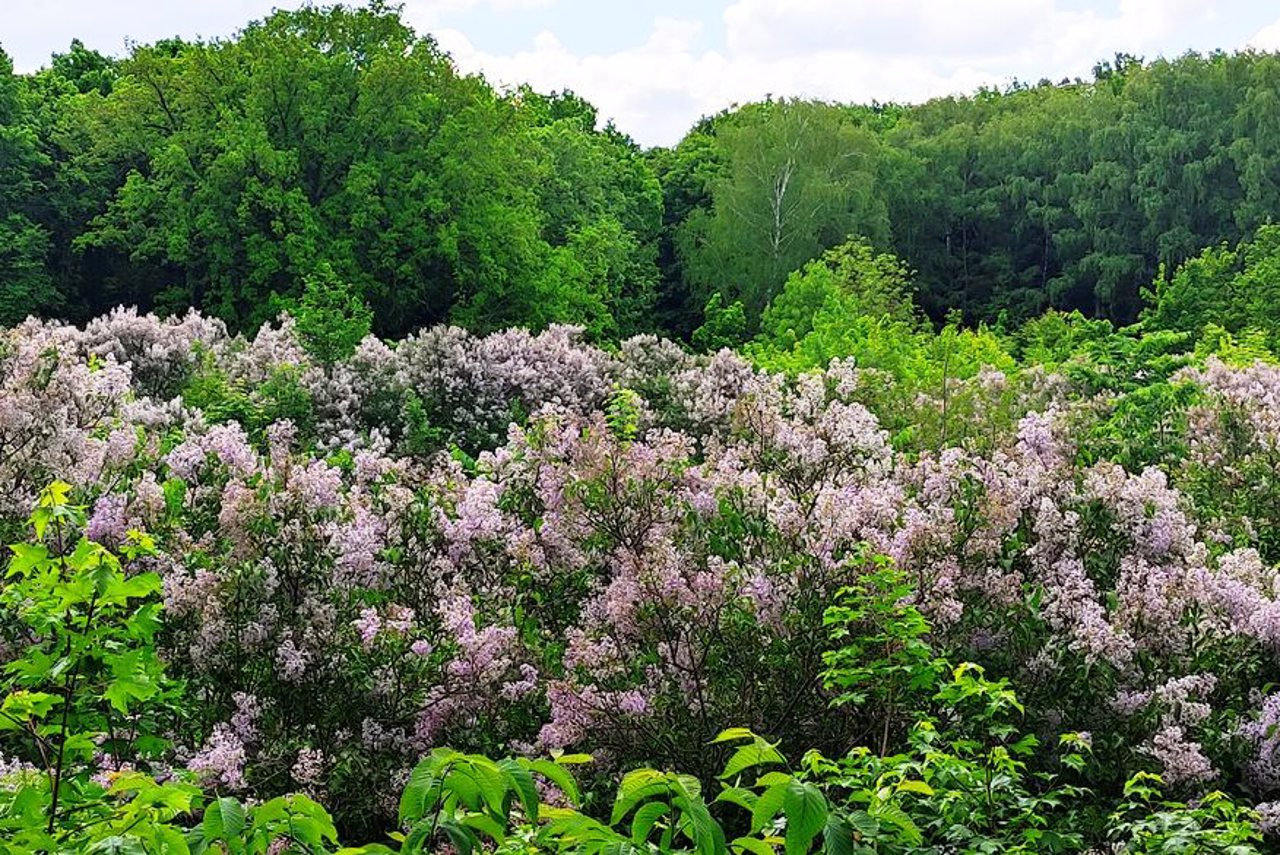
{"points": [[524, 543]]}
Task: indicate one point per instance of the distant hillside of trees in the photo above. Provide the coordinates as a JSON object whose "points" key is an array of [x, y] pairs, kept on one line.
{"points": [[338, 143]]}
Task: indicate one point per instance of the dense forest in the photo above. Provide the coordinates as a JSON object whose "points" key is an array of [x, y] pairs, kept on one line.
{"points": [[386, 459], [224, 174]]}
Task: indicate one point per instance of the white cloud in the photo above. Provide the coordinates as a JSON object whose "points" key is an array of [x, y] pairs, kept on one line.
{"points": [[854, 50], [1268, 38], [424, 14], [660, 86], [780, 28]]}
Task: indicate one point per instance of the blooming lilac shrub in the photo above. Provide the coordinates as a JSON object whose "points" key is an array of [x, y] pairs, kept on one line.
{"points": [[522, 542]]}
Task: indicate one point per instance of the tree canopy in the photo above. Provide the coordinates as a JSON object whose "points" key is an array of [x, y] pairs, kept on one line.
{"points": [[225, 174]]}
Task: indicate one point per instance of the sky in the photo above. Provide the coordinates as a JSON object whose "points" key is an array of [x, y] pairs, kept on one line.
{"points": [[655, 66]]}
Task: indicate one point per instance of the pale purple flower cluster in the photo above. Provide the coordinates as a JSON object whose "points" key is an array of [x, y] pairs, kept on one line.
{"points": [[1262, 732], [108, 524], [1182, 761], [342, 584], [221, 761]]}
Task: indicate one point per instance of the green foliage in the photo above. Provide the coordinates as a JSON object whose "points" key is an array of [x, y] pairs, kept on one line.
{"points": [[1238, 350], [854, 303], [622, 414], [1055, 337], [87, 681], [26, 284], [1143, 428], [468, 800], [280, 397], [1148, 823], [967, 784], [797, 178], [1224, 289], [222, 174], [881, 657], [287, 824], [331, 317], [848, 281], [722, 326], [334, 142], [851, 303]]}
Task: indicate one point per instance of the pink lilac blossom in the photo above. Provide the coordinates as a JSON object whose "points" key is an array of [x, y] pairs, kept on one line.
{"points": [[1182, 761], [109, 523], [221, 761], [309, 767], [291, 661], [1262, 733], [742, 500]]}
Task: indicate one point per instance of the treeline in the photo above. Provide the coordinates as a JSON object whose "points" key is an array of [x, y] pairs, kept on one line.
{"points": [[337, 144]]}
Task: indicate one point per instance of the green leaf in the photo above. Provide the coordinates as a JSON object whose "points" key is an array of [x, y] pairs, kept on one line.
{"points": [[636, 787], [573, 759], [618, 847], [117, 845], [739, 796], [131, 683], [413, 799], [646, 816], [806, 810], [461, 837], [914, 786], [223, 820], [754, 845], [418, 836], [26, 558], [478, 780], [837, 836], [559, 776], [172, 841], [895, 815], [734, 734], [486, 825], [24, 706], [769, 804], [758, 753], [522, 784]]}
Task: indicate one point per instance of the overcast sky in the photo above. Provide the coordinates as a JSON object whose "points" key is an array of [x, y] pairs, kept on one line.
{"points": [[655, 66]]}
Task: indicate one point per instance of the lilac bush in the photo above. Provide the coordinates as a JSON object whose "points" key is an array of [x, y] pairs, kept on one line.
{"points": [[524, 542]]}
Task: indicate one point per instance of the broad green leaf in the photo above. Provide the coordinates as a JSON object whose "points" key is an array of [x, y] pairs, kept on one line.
{"points": [[734, 734], [837, 836], [915, 786], [758, 753], [487, 825], [754, 845], [522, 784], [559, 776], [646, 816], [769, 804], [413, 799], [223, 820], [739, 796], [806, 810], [462, 838]]}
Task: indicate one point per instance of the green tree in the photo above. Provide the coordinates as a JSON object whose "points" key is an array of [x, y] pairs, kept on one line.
{"points": [[25, 284], [331, 317], [797, 179], [339, 136], [723, 326], [1232, 289]]}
